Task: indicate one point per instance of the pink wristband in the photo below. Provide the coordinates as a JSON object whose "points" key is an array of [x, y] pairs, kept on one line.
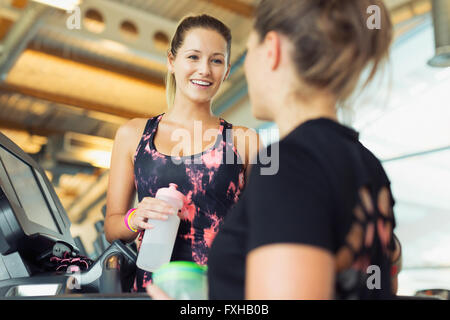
{"points": [[127, 219]]}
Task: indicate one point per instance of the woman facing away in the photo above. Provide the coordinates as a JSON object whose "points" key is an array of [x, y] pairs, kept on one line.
{"points": [[187, 146], [322, 227]]}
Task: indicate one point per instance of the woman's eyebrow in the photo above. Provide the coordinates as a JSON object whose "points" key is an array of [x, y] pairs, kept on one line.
{"points": [[198, 51]]}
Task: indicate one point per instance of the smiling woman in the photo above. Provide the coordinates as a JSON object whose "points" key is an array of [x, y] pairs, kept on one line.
{"points": [[198, 65], [146, 155], [209, 27]]}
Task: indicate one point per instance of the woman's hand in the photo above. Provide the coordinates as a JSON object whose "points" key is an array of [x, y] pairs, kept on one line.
{"points": [[156, 293], [150, 208]]}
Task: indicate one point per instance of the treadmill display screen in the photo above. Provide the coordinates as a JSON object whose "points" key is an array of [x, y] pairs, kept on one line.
{"points": [[28, 191]]}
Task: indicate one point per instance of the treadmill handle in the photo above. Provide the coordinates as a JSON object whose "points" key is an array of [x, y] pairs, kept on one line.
{"points": [[110, 280]]}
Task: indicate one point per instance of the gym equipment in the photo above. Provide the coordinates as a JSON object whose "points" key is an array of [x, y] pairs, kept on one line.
{"points": [[35, 230]]}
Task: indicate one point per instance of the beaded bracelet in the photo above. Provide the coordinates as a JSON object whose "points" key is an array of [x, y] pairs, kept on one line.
{"points": [[127, 219]]}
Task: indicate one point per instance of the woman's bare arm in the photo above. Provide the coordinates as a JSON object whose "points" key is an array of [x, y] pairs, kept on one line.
{"points": [[121, 188], [289, 272]]}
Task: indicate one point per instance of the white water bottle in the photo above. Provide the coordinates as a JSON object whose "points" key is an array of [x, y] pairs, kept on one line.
{"points": [[157, 243]]}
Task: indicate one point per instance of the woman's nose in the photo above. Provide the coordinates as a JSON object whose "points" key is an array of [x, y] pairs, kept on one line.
{"points": [[204, 68]]}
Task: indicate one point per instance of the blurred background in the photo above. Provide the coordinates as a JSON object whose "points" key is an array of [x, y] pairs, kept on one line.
{"points": [[73, 71]]}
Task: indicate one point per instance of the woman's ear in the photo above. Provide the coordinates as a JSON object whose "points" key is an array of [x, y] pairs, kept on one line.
{"points": [[272, 43], [170, 62]]}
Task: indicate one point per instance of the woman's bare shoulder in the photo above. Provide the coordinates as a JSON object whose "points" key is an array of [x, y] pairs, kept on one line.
{"points": [[131, 129], [128, 135]]}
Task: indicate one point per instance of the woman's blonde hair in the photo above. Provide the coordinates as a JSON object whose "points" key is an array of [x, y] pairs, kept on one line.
{"points": [[187, 24]]}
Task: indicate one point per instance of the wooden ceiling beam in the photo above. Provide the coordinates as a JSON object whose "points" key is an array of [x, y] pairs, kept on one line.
{"points": [[145, 75], [412, 6], [71, 101], [19, 3], [35, 130], [236, 6], [408, 10]]}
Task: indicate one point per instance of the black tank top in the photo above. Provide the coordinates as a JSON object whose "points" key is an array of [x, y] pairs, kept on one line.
{"points": [[212, 182]]}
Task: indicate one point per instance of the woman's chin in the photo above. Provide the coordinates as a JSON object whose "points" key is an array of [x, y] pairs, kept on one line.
{"points": [[260, 113], [200, 99]]}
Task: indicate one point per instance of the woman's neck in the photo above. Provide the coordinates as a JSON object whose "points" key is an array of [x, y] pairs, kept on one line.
{"points": [[295, 112], [184, 110]]}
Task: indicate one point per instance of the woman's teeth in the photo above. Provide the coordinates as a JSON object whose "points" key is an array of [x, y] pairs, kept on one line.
{"points": [[201, 83]]}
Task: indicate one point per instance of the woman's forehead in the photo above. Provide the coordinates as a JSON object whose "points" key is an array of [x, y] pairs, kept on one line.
{"points": [[204, 40]]}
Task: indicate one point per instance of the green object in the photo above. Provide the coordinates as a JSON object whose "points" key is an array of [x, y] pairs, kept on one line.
{"points": [[182, 280], [181, 268]]}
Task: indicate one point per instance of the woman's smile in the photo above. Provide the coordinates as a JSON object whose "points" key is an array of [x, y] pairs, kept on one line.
{"points": [[201, 84]]}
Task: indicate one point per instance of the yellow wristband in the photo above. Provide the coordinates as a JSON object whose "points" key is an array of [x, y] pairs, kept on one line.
{"points": [[128, 218]]}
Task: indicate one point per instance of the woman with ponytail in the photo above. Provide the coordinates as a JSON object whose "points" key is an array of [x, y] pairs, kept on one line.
{"points": [[205, 156]]}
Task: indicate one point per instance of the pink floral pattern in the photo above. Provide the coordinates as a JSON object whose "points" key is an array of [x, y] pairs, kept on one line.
{"points": [[211, 187]]}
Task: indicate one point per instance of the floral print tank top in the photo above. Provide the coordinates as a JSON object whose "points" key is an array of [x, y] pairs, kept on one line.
{"points": [[211, 181]]}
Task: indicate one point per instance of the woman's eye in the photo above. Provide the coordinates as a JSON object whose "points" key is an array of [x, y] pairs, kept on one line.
{"points": [[193, 57], [218, 61]]}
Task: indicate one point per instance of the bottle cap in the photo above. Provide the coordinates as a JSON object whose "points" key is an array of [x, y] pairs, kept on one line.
{"points": [[171, 192]]}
